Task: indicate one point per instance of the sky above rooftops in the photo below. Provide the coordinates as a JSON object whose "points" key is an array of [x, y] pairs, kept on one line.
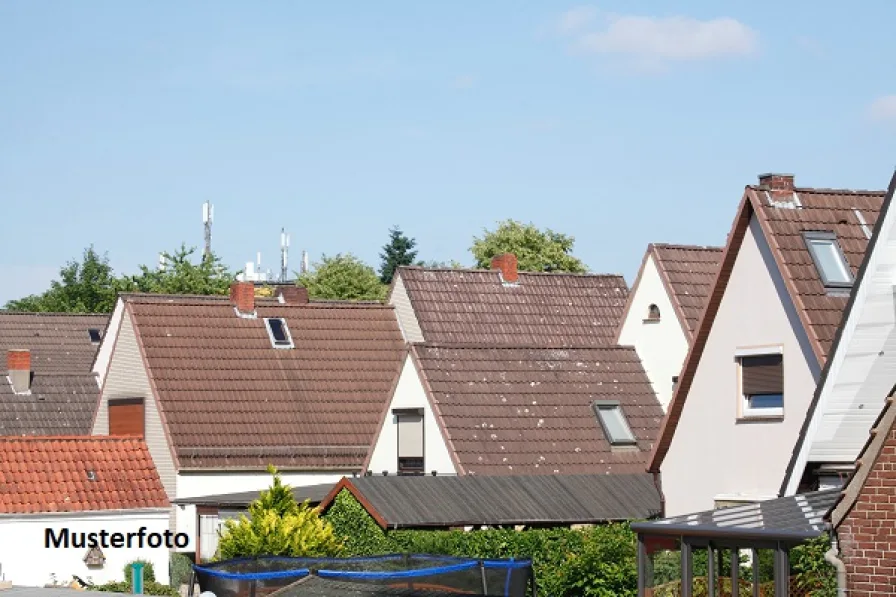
{"points": [[621, 123]]}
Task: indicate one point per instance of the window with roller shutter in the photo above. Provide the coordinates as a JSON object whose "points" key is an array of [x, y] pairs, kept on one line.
{"points": [[410, 440], [126, 417], [762, 385]]}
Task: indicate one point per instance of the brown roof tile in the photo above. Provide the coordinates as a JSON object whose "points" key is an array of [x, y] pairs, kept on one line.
{"points": [[688, 272], [512, 410], [59, 342], [820, 311], [232, 400], [543, 309], [50, 474]]}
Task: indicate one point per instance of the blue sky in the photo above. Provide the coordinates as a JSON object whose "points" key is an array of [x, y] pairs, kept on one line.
{"points": [[621, 123]]}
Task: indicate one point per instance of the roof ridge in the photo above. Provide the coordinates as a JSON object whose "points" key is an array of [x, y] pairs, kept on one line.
{"points": [[80, 438], [827, 190], [53, 313], [499, 346], [521, 272], [687, 247]]}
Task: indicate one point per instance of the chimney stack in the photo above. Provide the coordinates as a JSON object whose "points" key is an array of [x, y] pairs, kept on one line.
{"points": [[506, 263], [242, 295], [776, 182], [291, 295], [18, 362]]}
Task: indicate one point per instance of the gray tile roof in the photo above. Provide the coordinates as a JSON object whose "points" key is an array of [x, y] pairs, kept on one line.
{"points": [[789, 518], [446, 501]]}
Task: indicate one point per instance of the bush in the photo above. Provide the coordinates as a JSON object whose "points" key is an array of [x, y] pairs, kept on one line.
{"points": [[278, 526], [181, 569], [150, 587], [149, 571]]}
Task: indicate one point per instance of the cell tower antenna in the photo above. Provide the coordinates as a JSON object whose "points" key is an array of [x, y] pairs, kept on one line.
{"points": [[304, 261], [208, 216], [284, 255]]}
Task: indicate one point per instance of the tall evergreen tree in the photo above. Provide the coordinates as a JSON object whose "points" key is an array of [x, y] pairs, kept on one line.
{"points": [[398, 251]]}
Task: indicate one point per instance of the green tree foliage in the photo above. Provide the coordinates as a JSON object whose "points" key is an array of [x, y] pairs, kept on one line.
{"points": [[815, 574], [278, 525], [536, 250], [343, 277], [86, 286], [398, 251], [441, 264], [181, 276]]}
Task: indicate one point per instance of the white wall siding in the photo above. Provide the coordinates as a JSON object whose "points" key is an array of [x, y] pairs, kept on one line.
{"points": [[663, 345], [711, 453], [26, 560], [128, 378], [104, 354], [407, 319], [409, 393]]}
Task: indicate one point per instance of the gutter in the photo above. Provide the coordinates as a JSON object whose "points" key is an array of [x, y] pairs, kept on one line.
{"points": [[831, 557], [659, 489]]}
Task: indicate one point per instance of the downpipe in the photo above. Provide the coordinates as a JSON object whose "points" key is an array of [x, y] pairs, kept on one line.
{"points": [[831, 557]]}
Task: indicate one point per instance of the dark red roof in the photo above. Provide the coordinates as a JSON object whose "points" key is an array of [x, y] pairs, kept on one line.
{"points": [[542, 309], [523, 411], [230, 399], [688, 272], [53, 474]]}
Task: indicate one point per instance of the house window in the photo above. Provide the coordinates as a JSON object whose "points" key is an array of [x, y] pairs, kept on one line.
{"points": [[409, 424], [612, 421], [829, 259], [653, 314], [762, 385], [279, 333]]}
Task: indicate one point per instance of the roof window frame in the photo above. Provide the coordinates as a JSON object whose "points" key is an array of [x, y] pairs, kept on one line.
{"points": [[812, 236], [99, 335], [597, 406], [274, 342]]}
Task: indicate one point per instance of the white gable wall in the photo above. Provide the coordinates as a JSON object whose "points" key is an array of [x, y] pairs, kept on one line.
{"points": [[712, 455], [104, 354], [409, 393], [407, 319], [662, 345], [862, 367]]}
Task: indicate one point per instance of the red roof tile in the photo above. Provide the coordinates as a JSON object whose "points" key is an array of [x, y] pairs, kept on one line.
{"points": [[688, 273], [50, 474], [542, 309], [230, 399], [512, 410]]}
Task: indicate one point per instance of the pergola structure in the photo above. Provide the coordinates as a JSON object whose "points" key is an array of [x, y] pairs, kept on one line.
{"points": [[778, 525]]}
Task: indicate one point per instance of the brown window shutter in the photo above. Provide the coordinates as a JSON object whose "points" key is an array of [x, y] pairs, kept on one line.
{"points": [[126, 417], [762, 374]]}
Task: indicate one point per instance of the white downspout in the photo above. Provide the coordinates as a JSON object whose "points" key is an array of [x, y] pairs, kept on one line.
{"points": [[830, 556]]}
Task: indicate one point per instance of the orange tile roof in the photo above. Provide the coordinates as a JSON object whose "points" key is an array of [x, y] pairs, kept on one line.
{"points": [[51, 474]]}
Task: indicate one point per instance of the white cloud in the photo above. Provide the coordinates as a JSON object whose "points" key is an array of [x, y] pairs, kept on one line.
{"points": [[576, 18], [883, 108], [656, 41], [464, 81]]}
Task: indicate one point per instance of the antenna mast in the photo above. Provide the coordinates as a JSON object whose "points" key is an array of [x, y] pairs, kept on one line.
{"points": [[304, 261], [284, 255], [208, 214]]}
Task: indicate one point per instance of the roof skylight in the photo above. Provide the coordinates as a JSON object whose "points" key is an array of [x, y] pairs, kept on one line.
{"points": [[95, 336], [829, 259], [612, 420], [278, 333]]}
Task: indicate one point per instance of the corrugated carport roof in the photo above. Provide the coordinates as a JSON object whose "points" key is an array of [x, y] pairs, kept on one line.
{"points": [[415, 502], [795, 518]]}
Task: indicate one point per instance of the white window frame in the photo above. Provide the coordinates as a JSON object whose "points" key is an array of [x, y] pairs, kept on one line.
{"points": [[597, 406], [816, 237], [267, 326], [744, 412]]}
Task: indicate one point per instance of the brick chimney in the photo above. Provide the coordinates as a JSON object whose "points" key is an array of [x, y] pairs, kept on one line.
{"points": [[291, 295], [18, 362], [506, 263], [242, 295], [776, 182]]}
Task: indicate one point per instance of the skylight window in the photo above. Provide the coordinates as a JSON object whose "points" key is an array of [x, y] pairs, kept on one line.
{"points": [[94, 335], [612, 420], [829, 259], [279, 333]]}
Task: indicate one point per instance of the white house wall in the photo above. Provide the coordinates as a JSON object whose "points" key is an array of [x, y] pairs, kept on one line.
{"points": [[409, 393], [662, 345], [104, 354], [712, 456], [407, 319], [26, 561]]}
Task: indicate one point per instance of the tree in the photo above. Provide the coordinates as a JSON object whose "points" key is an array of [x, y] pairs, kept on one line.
{"points": [[433, 264], [343, 277], [277, 525], [535, 250], [181, 276], [398, 251], [88, 286]]}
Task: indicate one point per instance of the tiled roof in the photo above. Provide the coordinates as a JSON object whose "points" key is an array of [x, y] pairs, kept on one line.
{"points": [[64, 392], [688, 272], [232, 400], [51, 474], [511, 410], [542, 309], [783, 222]]}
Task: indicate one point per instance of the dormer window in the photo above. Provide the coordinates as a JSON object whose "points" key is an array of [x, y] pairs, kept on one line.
{"points": [[653, 314], [829, 259], [612, 421], [95, 336], [278, 333]]}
